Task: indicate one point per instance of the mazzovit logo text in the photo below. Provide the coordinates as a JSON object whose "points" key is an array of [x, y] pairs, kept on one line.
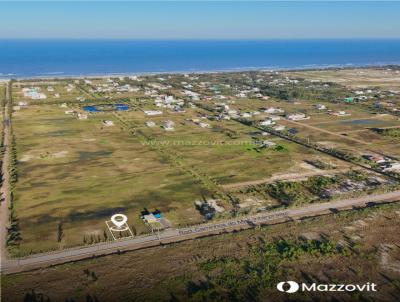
{"points": [[293, 286]]}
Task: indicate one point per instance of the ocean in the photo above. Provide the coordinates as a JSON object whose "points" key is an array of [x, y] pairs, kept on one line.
{"points": [[58, 58]]}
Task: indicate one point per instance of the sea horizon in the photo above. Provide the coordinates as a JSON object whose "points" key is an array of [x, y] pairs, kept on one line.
{"points": [[64, 58]]}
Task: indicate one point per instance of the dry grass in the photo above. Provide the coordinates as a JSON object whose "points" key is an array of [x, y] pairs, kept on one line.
{"points": [[158, 274]]}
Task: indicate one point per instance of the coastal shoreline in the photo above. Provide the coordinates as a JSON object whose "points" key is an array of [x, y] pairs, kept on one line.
{"points": [[61, 76]]}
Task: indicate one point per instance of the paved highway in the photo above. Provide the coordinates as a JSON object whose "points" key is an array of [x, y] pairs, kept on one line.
{"points": [[175, 235]]}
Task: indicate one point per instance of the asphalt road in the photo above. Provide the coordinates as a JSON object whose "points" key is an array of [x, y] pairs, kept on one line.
{"points": [[176, 235]]}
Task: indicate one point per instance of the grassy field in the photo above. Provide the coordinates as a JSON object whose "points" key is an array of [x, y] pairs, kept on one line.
{"points": [[211, 268], [59, 87], [352, 133], [74, 174], [356, 78], [79, 172], [226, 159]]}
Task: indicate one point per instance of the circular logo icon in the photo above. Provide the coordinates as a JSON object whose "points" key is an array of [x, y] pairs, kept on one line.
{"points": [[291, 288], [119, 221]]}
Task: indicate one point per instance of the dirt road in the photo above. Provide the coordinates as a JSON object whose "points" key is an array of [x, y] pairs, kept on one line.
{"points": [[328, 132], [5, 197], [284, 177]]}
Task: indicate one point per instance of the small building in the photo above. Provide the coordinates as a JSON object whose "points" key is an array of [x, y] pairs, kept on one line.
{"points": [[320, 107], [108, 123], [152, 112], [82, 116], [274, 118], [268, 144], [297, 117], [267, 122], [379, 159], [154, 219], [273, 110], [208, 208], [341, 113], [204, 125], [279, 128], [150, 218], [168, 125], [394, 166], [150, 124]]}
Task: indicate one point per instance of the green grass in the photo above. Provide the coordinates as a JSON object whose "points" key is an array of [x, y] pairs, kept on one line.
{"points": [[224, 159], [79, 173], [86, 173], [58, 85]]}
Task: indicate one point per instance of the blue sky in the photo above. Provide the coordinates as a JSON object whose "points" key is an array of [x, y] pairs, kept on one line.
{"points": [[200, 20]]}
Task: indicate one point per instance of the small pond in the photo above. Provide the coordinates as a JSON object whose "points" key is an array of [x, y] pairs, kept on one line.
{"points": [[106, 107], [365, 122]]}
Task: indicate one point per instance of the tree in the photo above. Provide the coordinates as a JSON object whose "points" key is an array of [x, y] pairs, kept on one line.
{"points": [[60, 232]]}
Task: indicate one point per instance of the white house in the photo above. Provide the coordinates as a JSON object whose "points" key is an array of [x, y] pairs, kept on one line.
{"points": [[241, 95], [150, 124], [34, 93], [274, 118], [82, 116], [394, 166], [152, 112], [108, 123], [297, 116], [168, 125], [268, 144], [341, 113], [267, 122], [204, 125], [279, 127], [273, 110]]}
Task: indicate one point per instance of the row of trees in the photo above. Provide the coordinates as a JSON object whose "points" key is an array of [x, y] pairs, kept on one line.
{"points": [[13, 231]]}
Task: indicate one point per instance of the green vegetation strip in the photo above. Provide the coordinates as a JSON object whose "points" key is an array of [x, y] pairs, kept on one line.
{"points": [[233, 279]]}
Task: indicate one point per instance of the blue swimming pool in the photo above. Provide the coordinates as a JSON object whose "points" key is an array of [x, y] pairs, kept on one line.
{"points": [[106, 107]]}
